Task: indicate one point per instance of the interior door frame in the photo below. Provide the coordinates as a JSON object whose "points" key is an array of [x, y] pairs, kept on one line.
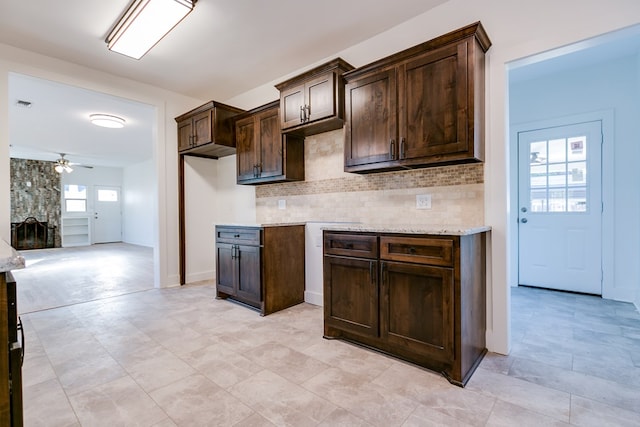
{"points": [[608, 213]]}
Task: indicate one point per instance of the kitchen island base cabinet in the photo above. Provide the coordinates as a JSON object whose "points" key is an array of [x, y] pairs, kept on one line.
{"points": [[417, 297], [261, 267]]}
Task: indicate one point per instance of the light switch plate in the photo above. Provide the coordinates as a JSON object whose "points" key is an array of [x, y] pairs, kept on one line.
{"points": [[282, 204], [423, 201]]}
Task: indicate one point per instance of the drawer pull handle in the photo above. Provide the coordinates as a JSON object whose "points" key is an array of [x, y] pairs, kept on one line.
{"points": [[412, 250], [349, 246]]}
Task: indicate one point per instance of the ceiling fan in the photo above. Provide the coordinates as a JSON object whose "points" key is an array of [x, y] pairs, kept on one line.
{"points": [[63, 165]]}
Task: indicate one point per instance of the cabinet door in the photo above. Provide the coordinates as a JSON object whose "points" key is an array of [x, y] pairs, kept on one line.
{"points": [[185, 132], [320, 97], [225, 268], [271, 154], [202, 124], [417, 309], [249, 281], [246, 149], [435, 120], [371, 128], [351, 295], [291, 102]]}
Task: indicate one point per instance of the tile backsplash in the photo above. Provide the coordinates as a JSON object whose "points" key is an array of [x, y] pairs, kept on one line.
{"points": [[330, 194]]}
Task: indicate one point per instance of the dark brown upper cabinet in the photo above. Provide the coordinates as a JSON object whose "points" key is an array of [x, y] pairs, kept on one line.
{"points": [[313, 102], [263, 153], [421, 107], [207, 131]]}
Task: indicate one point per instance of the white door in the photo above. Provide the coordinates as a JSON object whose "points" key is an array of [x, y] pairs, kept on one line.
{"points": [[107, 222], [560, 207]]}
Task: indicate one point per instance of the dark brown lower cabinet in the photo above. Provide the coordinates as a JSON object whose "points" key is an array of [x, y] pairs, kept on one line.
{"points": [[11, 357], [262, 267], [417, 297]]}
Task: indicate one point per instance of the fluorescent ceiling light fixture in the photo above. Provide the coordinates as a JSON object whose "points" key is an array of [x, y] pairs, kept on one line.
{"points": [[145, 23], [107, 120]]}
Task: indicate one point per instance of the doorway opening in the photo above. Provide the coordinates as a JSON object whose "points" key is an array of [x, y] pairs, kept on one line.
{"points": [[115, 200]]}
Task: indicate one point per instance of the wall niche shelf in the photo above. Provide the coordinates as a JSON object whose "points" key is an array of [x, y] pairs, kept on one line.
{"points": [[75, 231]]}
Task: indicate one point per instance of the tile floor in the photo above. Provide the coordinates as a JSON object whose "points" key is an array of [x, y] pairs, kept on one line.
{"points": [[167, 357]]}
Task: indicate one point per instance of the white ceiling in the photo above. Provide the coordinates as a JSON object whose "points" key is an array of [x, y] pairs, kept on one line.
{"points": [[222, 49], [58, 122]]}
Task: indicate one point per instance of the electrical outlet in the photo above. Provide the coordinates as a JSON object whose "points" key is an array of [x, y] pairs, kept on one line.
{"points": [[423, 201], [282, 204]]}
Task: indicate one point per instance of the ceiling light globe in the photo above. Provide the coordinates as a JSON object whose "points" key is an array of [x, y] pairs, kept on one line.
{"points": [[107, 121]]}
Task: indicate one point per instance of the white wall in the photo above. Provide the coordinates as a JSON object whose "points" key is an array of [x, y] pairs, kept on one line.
{"points": [[212, 197], [90, 178], [602, 87], [139, 204]]}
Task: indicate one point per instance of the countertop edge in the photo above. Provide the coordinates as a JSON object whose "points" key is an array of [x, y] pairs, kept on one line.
{"points": [[411, 229], [450, 230], [10, 259]]}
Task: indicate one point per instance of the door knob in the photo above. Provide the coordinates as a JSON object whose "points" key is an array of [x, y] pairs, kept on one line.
{"points": [[523, 220]]}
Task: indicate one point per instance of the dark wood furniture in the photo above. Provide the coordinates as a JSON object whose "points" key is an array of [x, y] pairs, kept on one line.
{"points": [[263, 153], [313, 102], [262, 267], [417, 297], [206, 131], [420, 107], [11, 356]]}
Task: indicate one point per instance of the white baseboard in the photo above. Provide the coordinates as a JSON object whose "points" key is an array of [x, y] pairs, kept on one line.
{"points": [[198, 277], [314, 298]]}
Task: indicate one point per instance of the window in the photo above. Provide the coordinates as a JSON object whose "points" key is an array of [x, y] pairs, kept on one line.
{"points": [[75, 198], [107, 195], [559, 175]]}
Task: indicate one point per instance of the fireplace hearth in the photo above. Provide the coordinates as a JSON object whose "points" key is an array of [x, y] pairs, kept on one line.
{"points": [[32, 234]]}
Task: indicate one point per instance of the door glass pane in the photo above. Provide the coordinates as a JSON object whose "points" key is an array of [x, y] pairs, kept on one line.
{"points": [[577, 148], [557, 150], [558, 175], [577, 173], [538, 153], [107, 196], [557, 200], [577, 199]]}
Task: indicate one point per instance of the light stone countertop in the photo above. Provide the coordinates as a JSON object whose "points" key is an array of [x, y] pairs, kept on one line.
{"points": [[246, 224], [449, 230], [10, 259]]}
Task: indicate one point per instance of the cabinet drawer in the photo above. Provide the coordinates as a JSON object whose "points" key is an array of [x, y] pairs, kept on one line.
{"points": [[351, 245], [240, 235], [419, 250]]}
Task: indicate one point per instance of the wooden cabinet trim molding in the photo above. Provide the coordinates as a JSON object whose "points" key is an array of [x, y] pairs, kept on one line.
{"points": [[475, 30]]}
